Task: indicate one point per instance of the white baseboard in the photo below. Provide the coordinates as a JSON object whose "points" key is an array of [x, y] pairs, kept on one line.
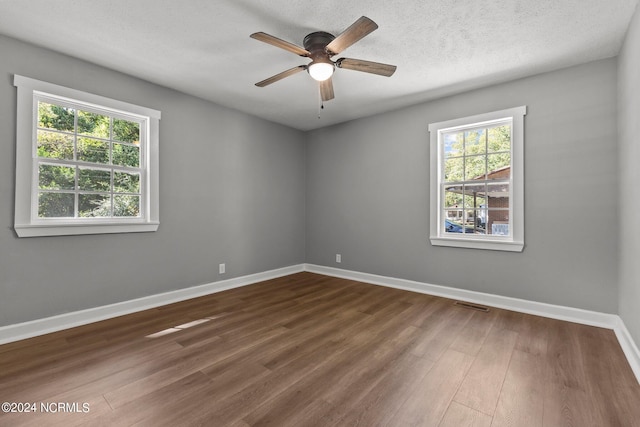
{"points": [[576, 315], [47, 325], [629, 347], [570, 314]]}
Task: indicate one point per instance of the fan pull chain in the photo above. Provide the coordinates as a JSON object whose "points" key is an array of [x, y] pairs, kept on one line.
{"points": [[321, 105]]}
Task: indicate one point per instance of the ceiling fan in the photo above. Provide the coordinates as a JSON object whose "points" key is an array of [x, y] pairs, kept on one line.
{"points": [[320, 46]]}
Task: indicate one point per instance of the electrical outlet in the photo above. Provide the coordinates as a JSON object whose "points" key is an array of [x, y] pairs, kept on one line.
{"points": [[338, 258], [221, 269]]}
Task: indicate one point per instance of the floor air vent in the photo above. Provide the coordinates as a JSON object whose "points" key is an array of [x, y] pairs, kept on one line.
{"points": [[472, 306]]}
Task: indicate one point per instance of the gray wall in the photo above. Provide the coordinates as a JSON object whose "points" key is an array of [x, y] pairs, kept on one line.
{"points": [[368, 193], [257, 196], [231, 190], [629, 196]]}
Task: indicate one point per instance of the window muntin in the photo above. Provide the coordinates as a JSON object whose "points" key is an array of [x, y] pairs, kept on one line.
{"points": [[477, 181], [88, 161], [85, 164]]}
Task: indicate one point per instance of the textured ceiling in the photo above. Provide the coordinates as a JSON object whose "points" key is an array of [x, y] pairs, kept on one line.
{"points": [[202, 47]]}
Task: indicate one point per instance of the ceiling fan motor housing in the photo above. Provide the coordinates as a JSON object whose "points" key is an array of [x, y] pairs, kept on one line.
{"points": [[316, 43]]}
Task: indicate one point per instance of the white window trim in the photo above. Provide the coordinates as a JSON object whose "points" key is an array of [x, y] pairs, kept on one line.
{"points": [[24, 225], [514, 243]]}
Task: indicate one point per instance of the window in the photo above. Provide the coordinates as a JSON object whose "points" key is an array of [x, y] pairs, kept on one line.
{"points": [[477, 188], [85, 164]]}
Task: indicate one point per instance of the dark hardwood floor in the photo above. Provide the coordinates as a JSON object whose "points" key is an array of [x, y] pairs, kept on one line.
{"points": [[311, 350]]}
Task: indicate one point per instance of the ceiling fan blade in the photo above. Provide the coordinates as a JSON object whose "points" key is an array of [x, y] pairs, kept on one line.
{"points": [[282, 44], [366, 66], [326, 90], [355, 32], [281, 75]]}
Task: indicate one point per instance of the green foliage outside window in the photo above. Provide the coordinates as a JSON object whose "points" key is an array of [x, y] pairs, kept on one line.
{"points": [[473, 155], [68, 134], [467, 153]]}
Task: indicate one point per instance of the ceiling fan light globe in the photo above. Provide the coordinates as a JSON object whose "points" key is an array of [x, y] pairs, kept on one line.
{"points": [[321, 71]]}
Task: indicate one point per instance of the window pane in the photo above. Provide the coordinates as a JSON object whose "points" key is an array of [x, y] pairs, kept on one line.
{"points": [[469, 221], [54, 177], [475, 142], [55, 117], [474, 196], [453, 222], [94, 179], [126, 155], [453, 197], [475, 167], [498, 222], [453, 144], [500, 138], [498, 195], [55, 145], [454, 170], [498, 214], [94, 205], [126, 182], [93, 150], [126, 131], [454, 214], [499, 166], [55, 205], [126, 206], [481, 221], [93, 124]]}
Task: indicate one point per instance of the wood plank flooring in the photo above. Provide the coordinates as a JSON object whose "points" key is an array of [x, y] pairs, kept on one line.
{"points": [[311, 350]]}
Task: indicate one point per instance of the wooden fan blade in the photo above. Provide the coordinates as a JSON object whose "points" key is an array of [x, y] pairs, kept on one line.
{"points": [[282, 44], [366, 66], [326, 90], [281, 75], [355, 32]]}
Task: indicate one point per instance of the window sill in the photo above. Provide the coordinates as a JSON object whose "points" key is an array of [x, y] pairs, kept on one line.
{"points": [[494, 245], [38, 230]]}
